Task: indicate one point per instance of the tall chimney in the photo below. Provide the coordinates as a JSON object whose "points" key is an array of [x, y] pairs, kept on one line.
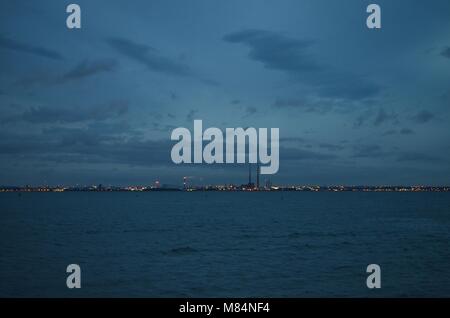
{"points": [[257, 175]]}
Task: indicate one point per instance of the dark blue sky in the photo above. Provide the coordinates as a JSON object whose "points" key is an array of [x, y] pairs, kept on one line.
{"points": [[97, 105]]}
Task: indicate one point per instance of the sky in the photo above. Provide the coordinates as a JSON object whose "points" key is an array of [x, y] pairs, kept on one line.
{"points": [[98, 104]]}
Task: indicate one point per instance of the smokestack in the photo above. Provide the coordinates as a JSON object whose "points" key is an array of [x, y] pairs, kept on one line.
{"points": [[257, 175], [249, 174]]}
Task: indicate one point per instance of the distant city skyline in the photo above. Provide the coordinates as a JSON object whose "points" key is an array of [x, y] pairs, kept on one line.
{"points": [[228, 187], [97, 105]]}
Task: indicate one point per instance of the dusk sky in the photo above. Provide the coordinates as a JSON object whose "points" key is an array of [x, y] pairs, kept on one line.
{"points": [[98, 104]]}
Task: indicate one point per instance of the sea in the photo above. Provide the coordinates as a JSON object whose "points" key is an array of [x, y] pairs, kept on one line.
{"points": [[225, 244]]}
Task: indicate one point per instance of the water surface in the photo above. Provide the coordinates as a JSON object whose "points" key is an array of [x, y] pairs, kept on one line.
{"points": [[224, 244]]}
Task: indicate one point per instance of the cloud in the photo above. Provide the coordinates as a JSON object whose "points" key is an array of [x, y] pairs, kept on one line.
{"points": [[289, 103], [415, 156], [150, 57], [250, 110], [390, 132], [346, 86], [446, 52], [377, 118], [173, 95], [90, 145], [113, 128], [406, 131], [292, 139], [300, 154], [422, 117], [45, 114], [165, 128], [362, 118], [81, 146], [321, 106], [84, 69], [6, 43], [368, 151], [403, 131], [191, 115], [88, 68], [277, 51], [375, 151], [383, 117], [331, 147]]}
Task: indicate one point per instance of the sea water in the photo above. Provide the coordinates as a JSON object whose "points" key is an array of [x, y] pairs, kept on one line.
{"points": [[224, 244]]}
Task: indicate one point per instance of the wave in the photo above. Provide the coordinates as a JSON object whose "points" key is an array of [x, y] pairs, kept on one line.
{"points": [[182, 250]]}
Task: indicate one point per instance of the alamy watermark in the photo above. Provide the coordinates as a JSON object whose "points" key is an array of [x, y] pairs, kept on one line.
{"points": [[73, 20], [235, 149], [74, 279], [374, 279]]}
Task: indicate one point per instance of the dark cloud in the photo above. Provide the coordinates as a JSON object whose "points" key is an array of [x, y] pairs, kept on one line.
{"points": [[275, 50], [65, 145], [377, 118], [88, 68], [250, 110], [173, 96], [383, 117], [415, 156], [191, 115], [150, 57], [291, 139], [82, 70], [90, 146], [362, 119], [403, 131], [305, 105], [301, 154], [331, 147], [422, 117], [10, 44], [280, 52], [406, 131], [390, 132], [290, 103], [165, 128], [37, 79], [368, 151], [446, 52], [346, 86], [113, 128], [40, 115]]}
